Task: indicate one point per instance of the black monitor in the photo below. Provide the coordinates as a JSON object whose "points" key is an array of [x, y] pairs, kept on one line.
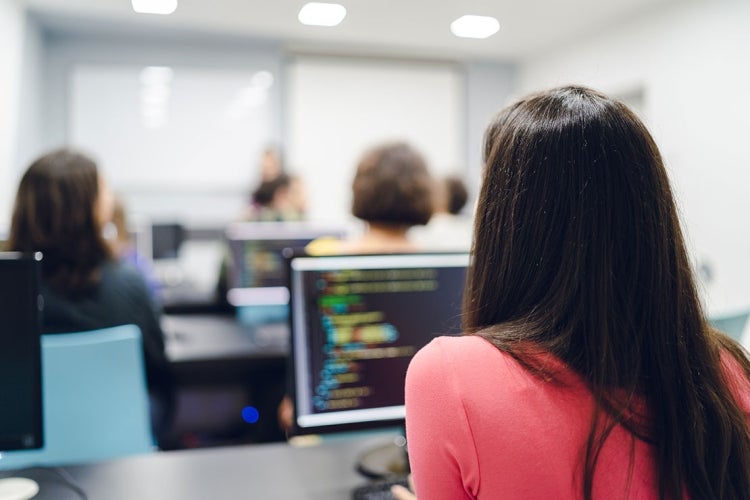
{"points": [[20, 352], [356, 323], [257, 274], [166, 240]]}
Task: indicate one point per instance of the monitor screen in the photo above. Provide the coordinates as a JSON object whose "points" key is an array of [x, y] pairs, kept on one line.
{"points": [[20, 352], [166, 240], [356, 323], [257, 273]]}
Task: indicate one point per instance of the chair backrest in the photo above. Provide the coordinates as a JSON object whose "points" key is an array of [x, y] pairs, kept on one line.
{"points": [[95, 401], [733, 325]]}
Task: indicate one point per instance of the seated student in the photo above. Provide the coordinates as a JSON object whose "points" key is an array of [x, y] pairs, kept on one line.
{"points": [[270, 164], [61, 208], [447, 229], [281, 198], [124, 248], [391, 193], [587, 369]]}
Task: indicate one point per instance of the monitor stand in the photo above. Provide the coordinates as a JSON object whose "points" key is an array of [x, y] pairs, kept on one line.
{"points": [[18, 488], [387, 460]]}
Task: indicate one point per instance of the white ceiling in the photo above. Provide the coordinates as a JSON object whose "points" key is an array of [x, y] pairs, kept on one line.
{"points": [[408, 27]]}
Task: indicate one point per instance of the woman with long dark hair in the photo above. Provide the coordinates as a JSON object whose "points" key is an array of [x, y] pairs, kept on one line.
{"points": [[587, 369], [61, 208]]}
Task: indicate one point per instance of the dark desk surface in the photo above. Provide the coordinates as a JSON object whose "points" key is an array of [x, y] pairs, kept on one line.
{"points": [[204, 337], [221, 366], [275, 471]]}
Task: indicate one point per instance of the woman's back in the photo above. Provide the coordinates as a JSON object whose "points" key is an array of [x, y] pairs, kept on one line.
{"points": [[120, 297], [507, 433]]}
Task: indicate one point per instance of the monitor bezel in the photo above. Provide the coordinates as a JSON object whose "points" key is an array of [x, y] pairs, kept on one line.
{"points": [[32, 262], [238, 296], [296, 326]]}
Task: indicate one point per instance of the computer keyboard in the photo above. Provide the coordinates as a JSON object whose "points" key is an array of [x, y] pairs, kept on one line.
{"points": [[378, 490]]}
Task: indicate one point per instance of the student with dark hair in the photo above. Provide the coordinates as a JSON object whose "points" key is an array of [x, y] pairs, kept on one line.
{"points": [[125, 249], [447, 229], [278, 199], [455, 193], [587, 369], [391, 192], [392, 187], [61, 207]]}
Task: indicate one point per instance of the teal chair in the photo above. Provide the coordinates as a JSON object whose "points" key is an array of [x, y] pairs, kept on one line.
{"points": [[732, 325], [94, 396]]}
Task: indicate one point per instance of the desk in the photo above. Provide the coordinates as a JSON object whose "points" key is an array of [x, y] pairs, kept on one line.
{"points": [[194, 338], [220, 366], [215, 348], [323, 472]]}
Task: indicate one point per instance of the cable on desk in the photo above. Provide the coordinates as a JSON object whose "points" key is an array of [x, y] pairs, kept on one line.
{"points": [[69, 481]]}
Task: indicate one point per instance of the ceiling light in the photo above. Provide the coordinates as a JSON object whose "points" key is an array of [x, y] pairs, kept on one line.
{"points": [[154, 6], [475, 26], [321, 14]]}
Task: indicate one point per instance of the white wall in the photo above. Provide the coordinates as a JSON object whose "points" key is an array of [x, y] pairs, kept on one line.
{"points": [[12, 32], [489, 87], [213, 193], [30, 95], [692, 62]]}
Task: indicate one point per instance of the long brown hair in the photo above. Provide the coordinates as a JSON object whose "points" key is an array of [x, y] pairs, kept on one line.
{"points": [[55, 213], [578, 251]]}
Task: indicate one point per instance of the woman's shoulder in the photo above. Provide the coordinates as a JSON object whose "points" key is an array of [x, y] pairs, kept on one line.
{"points": [[476, 364], [124, 277], [460, 345], [462, 353], [118, 269], [325, 245]]}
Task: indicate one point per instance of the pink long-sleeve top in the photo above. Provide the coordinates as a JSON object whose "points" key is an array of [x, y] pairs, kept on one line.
{"points": [[481, 426]]}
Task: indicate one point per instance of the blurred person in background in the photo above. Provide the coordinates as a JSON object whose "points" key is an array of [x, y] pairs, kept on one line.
{"points": [[61, 208], [391, 193], [448, 229], [125, 249], [279, 199]]}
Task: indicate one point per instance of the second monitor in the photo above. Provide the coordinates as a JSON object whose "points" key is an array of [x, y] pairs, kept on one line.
{"points": [[257, 274]]}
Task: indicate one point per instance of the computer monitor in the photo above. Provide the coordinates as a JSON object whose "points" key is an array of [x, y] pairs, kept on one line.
{"points": [[20, 352], [166, 240], [257, 274], [356, 323]]}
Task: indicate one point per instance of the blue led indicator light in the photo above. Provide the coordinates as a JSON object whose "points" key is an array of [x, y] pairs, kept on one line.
{"points": [[250, 414]]}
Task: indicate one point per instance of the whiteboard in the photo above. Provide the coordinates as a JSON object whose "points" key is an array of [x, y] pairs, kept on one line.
{"points": [[336, 108], [164, 135]]}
